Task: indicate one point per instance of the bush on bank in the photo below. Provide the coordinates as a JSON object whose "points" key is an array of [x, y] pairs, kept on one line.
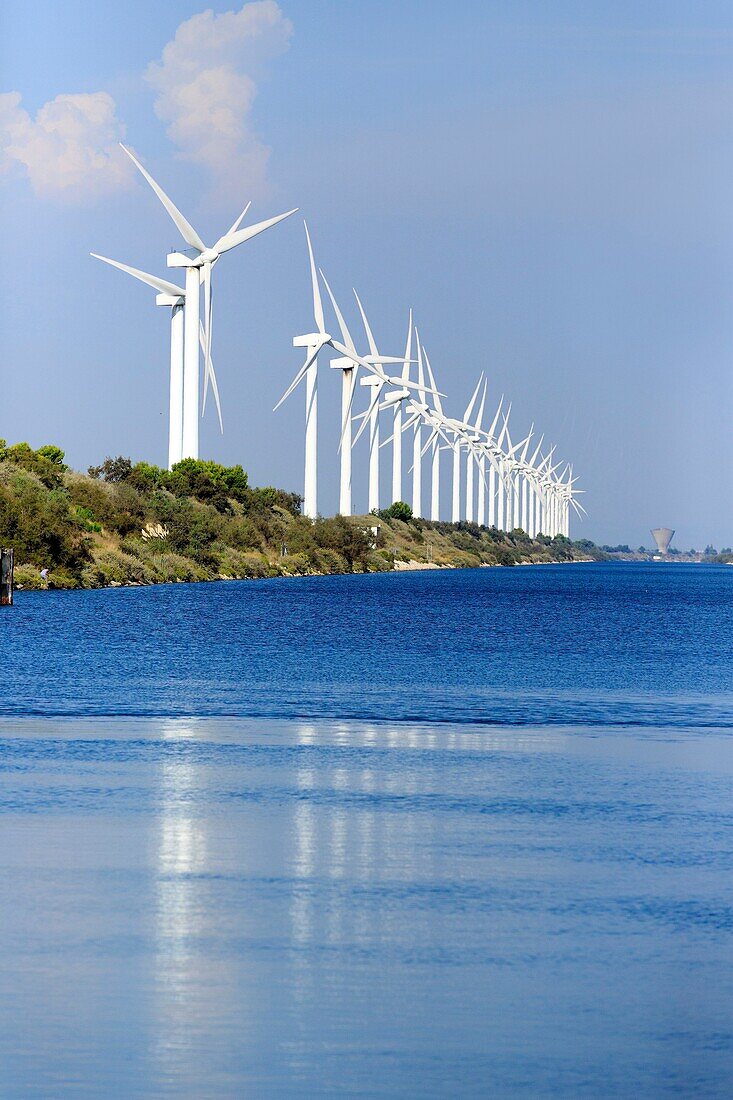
{"points": [[134, 523]]}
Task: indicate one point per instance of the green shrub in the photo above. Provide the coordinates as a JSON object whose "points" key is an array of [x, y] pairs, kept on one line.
{"points": [[397, 510], [21, 454], [28, 576]]}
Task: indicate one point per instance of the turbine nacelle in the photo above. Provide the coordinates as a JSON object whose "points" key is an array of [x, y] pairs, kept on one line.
{"points": [[311, 339], [394, 398]]}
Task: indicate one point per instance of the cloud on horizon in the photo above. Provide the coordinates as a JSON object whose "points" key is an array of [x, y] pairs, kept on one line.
{"points": [[206, 84], [69, 150]]}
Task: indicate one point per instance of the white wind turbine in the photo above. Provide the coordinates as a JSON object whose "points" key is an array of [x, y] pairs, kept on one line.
{"points": [[458, 428], [434, 442], [174, 297], [371, 417], [313, 342], [348, 365], [470, 457], [492, 449], [570, 492], [520, 500], [198, 262], [417, 509], [529, 514], [420, 413], [514, 465], [546, 482], [501, 481], [397, 426], [481, 463]]}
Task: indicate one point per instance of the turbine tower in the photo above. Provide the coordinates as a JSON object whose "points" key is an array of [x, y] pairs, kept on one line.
{"points": [[174, 297], [397, 428], [435, 444]]}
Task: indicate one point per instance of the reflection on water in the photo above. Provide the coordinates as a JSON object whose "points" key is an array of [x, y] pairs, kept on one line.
{"points": [[278, 909], [180, 856]]}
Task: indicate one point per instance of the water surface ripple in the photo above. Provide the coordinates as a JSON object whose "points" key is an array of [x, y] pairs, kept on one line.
{"points": [[592, 644]]}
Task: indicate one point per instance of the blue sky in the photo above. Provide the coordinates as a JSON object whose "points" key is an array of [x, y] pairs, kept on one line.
{"points": [[548, 186]]}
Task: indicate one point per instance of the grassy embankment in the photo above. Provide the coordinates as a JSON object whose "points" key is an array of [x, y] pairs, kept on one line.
{"points": [[137, 524]]}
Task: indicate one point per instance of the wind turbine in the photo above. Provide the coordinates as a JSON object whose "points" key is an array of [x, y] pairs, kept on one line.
{"points": [[531, 492], [371, 417], [198, 261], [520, 502], [469, 456], [313, 342], [500, 481], [420, 413], [397, 426], [417, 509], [493, 449], [435, 459], [173, 296], [481, 462], [458, 429]]}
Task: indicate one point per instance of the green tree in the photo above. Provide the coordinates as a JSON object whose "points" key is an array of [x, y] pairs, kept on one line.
{"points": [[23, 455], [112, 469], [398, 510], [53, 454]]}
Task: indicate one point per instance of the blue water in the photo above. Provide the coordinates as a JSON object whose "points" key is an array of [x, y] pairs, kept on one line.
{"points": [[606, 644], [439, 834]]}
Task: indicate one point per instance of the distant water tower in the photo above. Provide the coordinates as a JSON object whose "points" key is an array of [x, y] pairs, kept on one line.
{"points": [[662, 536]]}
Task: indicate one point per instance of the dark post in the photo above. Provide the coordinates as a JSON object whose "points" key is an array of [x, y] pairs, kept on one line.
{"points": [[6, 578]]}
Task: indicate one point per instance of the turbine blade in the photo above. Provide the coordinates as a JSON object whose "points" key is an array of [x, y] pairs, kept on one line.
{"points": [[433, 435], [185, 228], [207, 315], [369, 334], [408, 349], [480, 414], [495, 421], [346, 335], [370, 410], [469, 407], [161, 285], [438, 403], [239, 220], [231, 240], [210, 376], [420, 370], [317, 303], [299, 376]]}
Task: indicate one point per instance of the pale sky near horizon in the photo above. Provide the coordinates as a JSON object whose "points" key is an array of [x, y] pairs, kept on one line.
{"points": [[547, 186]]}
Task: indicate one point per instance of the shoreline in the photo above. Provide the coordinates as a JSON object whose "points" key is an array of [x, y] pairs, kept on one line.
{"points": [[399, 567]]}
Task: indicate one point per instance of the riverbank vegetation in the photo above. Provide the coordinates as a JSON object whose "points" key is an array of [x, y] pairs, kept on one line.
{"points": [[134, 523]]}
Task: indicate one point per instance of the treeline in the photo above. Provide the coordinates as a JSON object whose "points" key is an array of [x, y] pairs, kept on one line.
{"points": [[134, 523], [126, 523]]}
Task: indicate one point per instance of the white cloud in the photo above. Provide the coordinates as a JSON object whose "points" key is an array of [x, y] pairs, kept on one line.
{"points": [[69, 150], [206, 86]]}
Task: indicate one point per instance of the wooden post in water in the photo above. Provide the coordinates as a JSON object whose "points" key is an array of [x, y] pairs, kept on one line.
{"points": [[6, 578]]}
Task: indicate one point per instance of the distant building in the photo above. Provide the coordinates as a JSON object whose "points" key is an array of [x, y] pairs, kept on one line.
{"points": [[662, 536]]}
